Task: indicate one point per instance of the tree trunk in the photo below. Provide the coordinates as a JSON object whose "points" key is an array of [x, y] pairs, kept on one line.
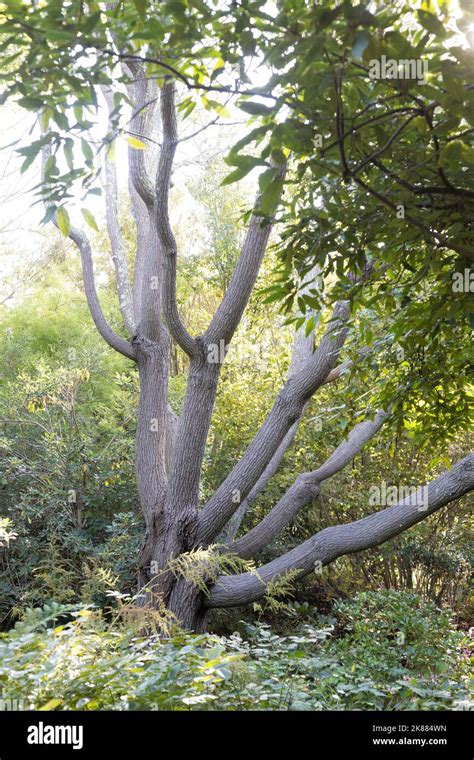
{"points": [[152, 443]]}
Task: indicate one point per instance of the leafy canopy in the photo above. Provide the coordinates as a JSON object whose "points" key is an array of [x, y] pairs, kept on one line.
{"points": [[370, 105]]}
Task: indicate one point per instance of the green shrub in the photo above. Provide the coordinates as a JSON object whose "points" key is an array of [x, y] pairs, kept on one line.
{"points": [[397, 628], [68, 657], [83, 664]]}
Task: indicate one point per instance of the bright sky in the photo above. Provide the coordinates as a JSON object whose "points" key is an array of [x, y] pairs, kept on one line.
{"points": [[24, 241]]}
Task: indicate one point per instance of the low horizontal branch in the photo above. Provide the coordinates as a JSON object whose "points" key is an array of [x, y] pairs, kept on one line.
{"points": [[336, 541]]}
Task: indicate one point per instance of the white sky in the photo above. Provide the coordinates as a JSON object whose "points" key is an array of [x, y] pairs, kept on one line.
{"points": [[24, 241]]}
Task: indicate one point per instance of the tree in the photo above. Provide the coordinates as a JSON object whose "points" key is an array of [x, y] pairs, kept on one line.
{"points": [[151, 60]]}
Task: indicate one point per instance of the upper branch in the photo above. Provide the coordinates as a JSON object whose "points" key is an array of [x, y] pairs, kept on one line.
{"points": [[165, 233], [229, 313], [119, 253], [330, 543], [143, 93], [82, 242], [115, 341]]}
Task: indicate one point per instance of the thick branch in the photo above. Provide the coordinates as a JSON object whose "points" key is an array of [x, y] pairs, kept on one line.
{"points": [[231, 529], [165, 233], [203, 375], [286, 410], [330, 543], [141, 216], [110, 336], [229, 313], [305, 489], [148, 269], [302, 351], [143, 92]]}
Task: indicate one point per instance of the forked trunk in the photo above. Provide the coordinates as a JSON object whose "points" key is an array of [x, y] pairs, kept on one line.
{"points": [[169, 526]]}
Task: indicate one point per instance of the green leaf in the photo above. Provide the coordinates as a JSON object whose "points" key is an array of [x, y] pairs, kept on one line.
{"points": [[68, 152], [63, 221], [87, 151], [31, 103], [27, 162], [90, 219], [244, 165], [453, 153], [244, 162], [45, 117], [234, 176], [214, 105], [51, 704], [135, 143], [271, 197], [277, 295], [265, 178], [256, 109], [50, 167], [432, 23], [310, 325], [141, 6]]}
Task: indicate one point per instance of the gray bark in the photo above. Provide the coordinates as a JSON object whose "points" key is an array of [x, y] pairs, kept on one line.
{"points": [[305, 489], [178, 530], [303, 346], [110, 336], [81, 240], [286, 411], [330, 543], [119, 253], [161, 219]]}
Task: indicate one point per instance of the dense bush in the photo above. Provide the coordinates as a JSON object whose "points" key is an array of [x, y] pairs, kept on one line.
{"points": [[385, 650], [66, 484]]}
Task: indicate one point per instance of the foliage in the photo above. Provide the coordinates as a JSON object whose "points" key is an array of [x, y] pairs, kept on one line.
{"points": [[66, 473], [379, 164], [277, 593], [82, 664], [6, 533], [202, 567], [63, 657]]}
